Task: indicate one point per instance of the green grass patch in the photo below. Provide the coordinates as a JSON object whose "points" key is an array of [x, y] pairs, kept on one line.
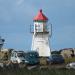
{"points": [[37, 71], [68, 60]]}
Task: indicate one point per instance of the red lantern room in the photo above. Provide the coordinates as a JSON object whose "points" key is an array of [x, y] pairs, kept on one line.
{"points": [[40, 17], [40, 22]]}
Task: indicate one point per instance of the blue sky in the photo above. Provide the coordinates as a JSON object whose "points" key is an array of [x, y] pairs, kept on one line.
{"points": [[16, 16]]}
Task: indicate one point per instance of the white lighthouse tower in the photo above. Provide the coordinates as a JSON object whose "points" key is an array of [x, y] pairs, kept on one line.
{"points": [[41, 35]]}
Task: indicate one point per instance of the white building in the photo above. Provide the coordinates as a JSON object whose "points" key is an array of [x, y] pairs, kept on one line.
{"points": [[41, 35]]}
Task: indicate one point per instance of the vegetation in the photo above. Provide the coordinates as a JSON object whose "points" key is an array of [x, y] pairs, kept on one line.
{"points": [[55, 52], [51, 70], [68, 60], [37, 71]]}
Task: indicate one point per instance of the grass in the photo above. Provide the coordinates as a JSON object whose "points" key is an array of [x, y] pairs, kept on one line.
{"points": [[68, 60], [37, 71]]}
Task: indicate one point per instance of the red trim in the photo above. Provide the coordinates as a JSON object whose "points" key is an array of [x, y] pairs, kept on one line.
{"points": [[40, 17]]}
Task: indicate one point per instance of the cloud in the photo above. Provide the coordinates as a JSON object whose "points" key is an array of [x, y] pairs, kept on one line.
{"points": [[20, 2], [13, 10]]}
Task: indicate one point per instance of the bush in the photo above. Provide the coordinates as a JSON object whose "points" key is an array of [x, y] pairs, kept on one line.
{"points": [[68, 60]]}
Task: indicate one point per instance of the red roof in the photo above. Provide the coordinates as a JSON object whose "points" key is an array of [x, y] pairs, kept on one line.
{"points": [[40, 17]]}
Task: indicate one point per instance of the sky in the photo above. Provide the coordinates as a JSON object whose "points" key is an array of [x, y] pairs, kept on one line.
{"points": [[16, 16]]}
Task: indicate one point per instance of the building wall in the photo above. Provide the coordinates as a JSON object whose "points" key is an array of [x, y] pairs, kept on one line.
{"points": [[40, 43]]}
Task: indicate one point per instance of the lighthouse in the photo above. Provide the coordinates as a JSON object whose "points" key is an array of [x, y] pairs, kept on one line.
{"points": [[41, 35]]}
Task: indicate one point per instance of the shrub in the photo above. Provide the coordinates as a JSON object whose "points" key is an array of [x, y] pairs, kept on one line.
{"points": [[68, 60]]}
